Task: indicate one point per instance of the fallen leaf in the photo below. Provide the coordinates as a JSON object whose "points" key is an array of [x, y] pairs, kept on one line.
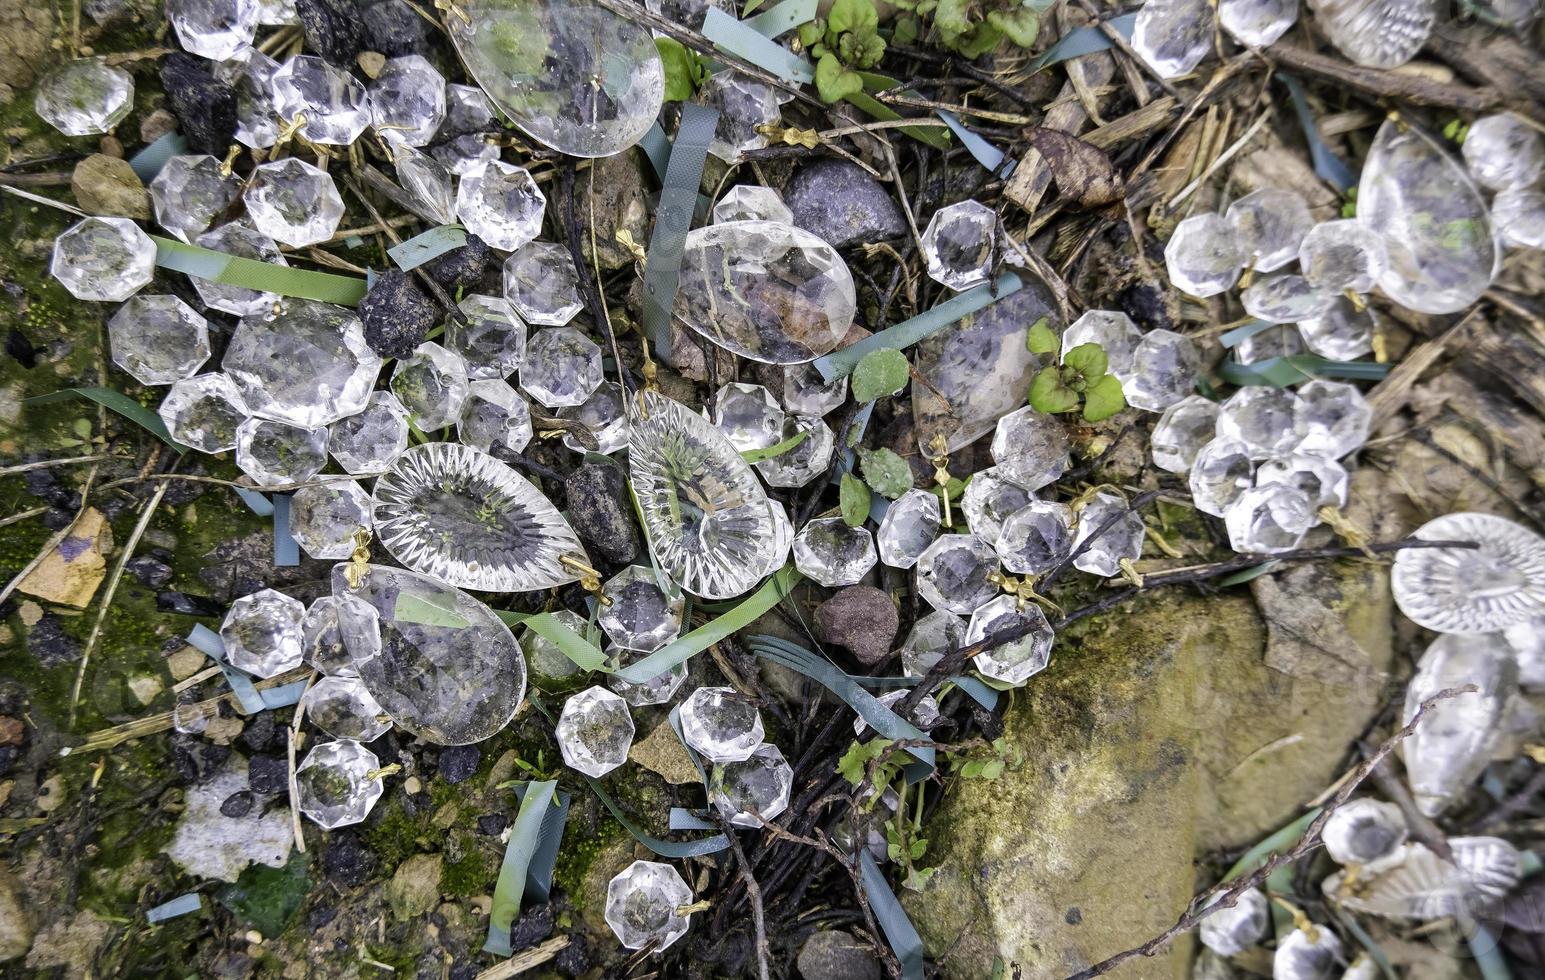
{"points": [[1083, 173]]}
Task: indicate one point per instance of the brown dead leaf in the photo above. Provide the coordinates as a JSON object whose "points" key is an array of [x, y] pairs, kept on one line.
{"points": [[1082, 172]]}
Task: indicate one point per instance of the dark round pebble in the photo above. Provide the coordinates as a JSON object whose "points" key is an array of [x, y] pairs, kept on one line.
{"points": [[346, 860], [197, 760], [861, 618], [268, 774], [396, 314], [573, 959], [48, 641], [460, 267], [1144, 303], [187, 604], [459, 763], [9, 755], [600, 511], [261, 732], [150, 571], [392, 28], [333, 29], [533, 926], [205, 107], [492, 824], [237, 804]]}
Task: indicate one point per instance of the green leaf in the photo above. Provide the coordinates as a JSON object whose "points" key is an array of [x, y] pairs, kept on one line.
{"points": [[1103, 399], [750, 8], [1088, 360], [855, 761], [852, 15], [983, 39], [834, 82], [680, 69], [885, 472], [1048, 393], [117, 402], [1021, 26], [951, 17], [1041, 338], [908, 28], [880, 374], [810, 33], [853, 499]]}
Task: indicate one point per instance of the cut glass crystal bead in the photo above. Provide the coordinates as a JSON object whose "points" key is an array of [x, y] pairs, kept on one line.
{"points": [[343, 708], [1323, 480], [431, 383], [1164, 370], [158, 339], [545, 658], [604, 414], [1205, 255], [1503, 152], [1018, 660], [642, 615], [407, 100], [1269, 519], [1257, 23], [952, 574], [1271, 223], [708, 521], [85, 97], [1263, 419], [1313, 954], [1036, 538], [494, 414], [721, 724], [644, 903], [752, 202], [1332, 417], [257, 119], [1182, 431], [365, 444], [1286, 298], [805, 392], [458, 514], [106, 260], [213, 29], [562, 367], [1223, 469], [931, 637], [1030, 448], [1449, 750], [748, 416], [924, 716], [1173, 36], [440, 662], [308, 365], [1116, 334], [754, 790], [540, 282], [655, 690], [335, 106], [1230, 931], [910, 524], [261, 633], [1471, 590], [807, 460], [293, 202], [958, 244], [492, 341], [338, 783], [1341, 255], [989, 500], [501, 204], [1123, 538], [833, 554], [324, 518], [427, 182], [321, 637], [1362, 831], [190, 192], [203, 412], [767, 291], [244, 241], [274, 454], [743, 104], [1342, 332], [1519, 215], [1277, 340], [594, 731]]}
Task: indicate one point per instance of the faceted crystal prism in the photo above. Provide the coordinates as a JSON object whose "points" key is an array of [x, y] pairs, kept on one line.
{"points": [[308, 365], [1519, 215], [604, 414], [644, 903], [642, 615], [343, 708], [190, 192], [460, 515], [706, 515], [807, 460], [721, 724], [322, 641], [1285, 299], [257, 120], [1036, 538], [783, 537], [1471, 590], [1257, 23], [562, 367], [654, 690], [158, 339], [743, 104], [910, 524], [261, 633], [1165, 367], [244, 241], [1182, 431], [365, 444], [494, 414], [1030, 448], [1376, 33], [85, 97], [544, 657], [1116, 334], [959, 244], [754, 790], [1123, 538], [293, 202], [540, 282], [339, 783], [574, 76], [1364, 830], [1442, 251], [203, 412], [1323, 480], [1277, 340], [924, 716], [274, 454], [431, 384], [325, 516], [213, 29], [465, 155], [427, 182], [1223, 469], [1307, 955], [1341, 255], [1018, 660], [989, 500], [106, 260], [1271, 223], [1503, 152], [1204, 255], [407, 100], [952, 573], [594, 731], [833, 554], [1269, 519], [1332, 417], [501, 204], [334, 104], [440, 662], [767, 291], [752, 202], [931, 637], [1173, 36], [1263, 419], [748, 416], [1454, 742], [805, 392], [1229, 931], [1342, 332], [492, 341]]}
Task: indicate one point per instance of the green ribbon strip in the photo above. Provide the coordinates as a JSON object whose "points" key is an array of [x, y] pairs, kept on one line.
{"points": [[782, 18], [1279, 372], [1327, 165], [673, 218], [266, 277], [1084, 40], [432, 244], [868, 104], [740, 38], [578, 649], [149, 161], [525, 835], [840, 363], [1239, 335], [664, 848], [679, 651], [117, 402], [181, 905], [898, 929]]}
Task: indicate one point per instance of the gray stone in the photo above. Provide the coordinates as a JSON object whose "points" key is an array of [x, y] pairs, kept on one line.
{"points": [[16, 928], [836, 200], [861, 618], [600, 511], [415, 888], [108, 185], [835, 955]]}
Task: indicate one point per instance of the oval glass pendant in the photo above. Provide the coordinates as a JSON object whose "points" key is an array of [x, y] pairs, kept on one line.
{"points": [[1492, 587]]}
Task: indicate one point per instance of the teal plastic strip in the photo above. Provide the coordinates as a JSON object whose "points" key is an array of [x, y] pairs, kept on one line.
{"points": [[284, 695], [784, 17], [683, 819], [539, 873], [432, 244], [898, 929], [1084, 40], [657, 147], [664, 848], [149, 161], [181, 905], [840, 363], [209, 641], [673, 218], [1279, 372], [511, 883], [255, 501], [740, 38], [286, 548], [1239, 335], [989, 156], [1330, 167]]}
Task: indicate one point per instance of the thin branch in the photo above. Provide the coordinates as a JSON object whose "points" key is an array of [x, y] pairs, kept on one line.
{"points": [[753, 895]]}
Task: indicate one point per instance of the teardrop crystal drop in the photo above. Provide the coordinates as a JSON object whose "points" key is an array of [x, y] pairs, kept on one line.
{"points": [[458, 514], [705, 514], [1377, 33], [1442, 249], [1453, 744], [571, 74]]}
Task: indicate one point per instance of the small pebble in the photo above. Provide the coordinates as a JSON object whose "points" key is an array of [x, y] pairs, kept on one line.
{"points": [[861, 618], [332, 28], [268, 774], [396, 314], [237, 804], [462, 267], [205, 106], [459, 763]]}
